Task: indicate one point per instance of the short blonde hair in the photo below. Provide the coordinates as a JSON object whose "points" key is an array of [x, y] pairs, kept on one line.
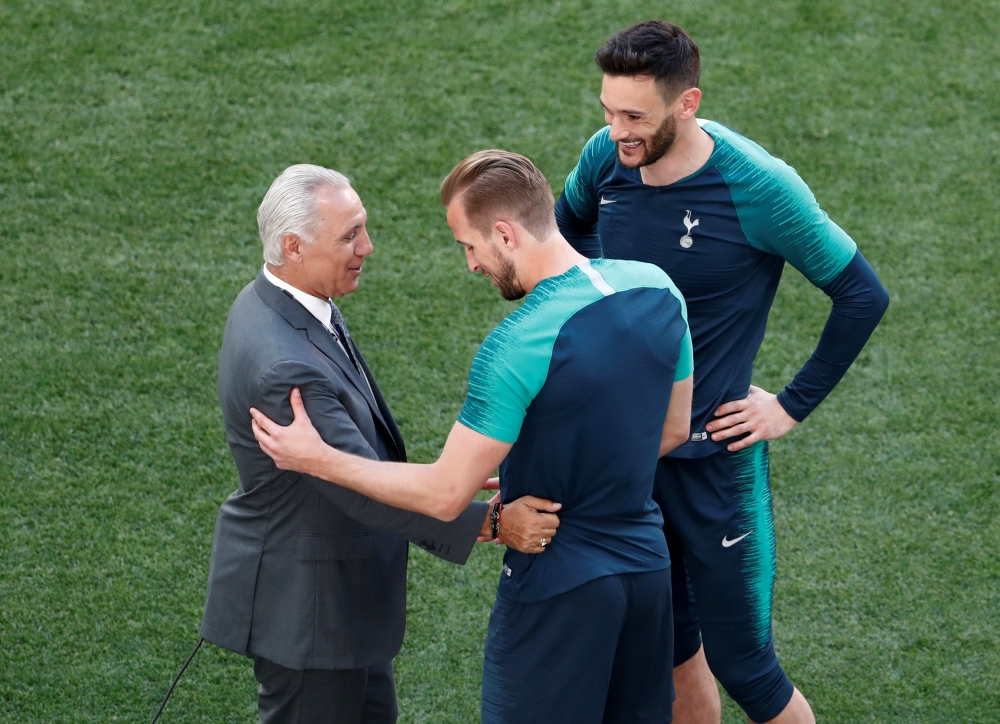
{"points": [[495, 183]]}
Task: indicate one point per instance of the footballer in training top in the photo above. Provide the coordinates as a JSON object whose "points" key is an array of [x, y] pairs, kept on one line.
{"points": [[723, 235], [579, 380]]}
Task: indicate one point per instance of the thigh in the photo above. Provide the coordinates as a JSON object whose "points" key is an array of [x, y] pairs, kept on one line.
{"points": [[687, 632], [311, 696], [380, 696], [721, 511], [641, 690], [551, 661]]}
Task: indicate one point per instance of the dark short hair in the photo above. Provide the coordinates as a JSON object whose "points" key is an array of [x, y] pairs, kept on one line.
{"points": [[495, 183], [654, 48]]}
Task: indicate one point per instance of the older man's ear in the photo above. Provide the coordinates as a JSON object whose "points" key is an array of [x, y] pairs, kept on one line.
{"points": [[291, 245]]}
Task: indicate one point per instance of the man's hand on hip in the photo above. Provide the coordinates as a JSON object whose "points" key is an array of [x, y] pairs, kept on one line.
{"points": [[759, 414]]}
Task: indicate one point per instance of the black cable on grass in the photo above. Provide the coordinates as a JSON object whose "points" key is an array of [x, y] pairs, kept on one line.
{"points": [[176, 679]]}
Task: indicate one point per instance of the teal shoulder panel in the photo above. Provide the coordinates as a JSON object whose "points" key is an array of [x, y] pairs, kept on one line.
{"points": [[581, 184], [685, 360], [777, 211], [623, 275], [513, 362]]}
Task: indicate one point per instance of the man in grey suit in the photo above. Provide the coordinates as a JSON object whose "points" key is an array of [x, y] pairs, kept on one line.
{"points": [[308, 578]]}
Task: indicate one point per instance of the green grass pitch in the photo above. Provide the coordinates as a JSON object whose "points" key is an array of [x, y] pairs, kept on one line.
{"points": [[136, 140]]}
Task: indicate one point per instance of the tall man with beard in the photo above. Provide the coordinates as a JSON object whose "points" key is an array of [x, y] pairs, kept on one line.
{"points": [[721, 216]]}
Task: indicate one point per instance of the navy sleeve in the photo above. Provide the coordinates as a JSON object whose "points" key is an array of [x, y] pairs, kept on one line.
{"points": [[859, 301], [576, 210], [581, 235]]}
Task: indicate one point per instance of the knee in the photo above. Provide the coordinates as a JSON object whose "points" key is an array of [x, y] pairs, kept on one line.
{"points": [[698, 700], [762, 691]]}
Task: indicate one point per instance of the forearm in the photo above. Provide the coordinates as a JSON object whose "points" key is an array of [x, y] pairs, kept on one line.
{"points": [[671, 441], [859, 301], [677, 426], [442, 490], [422, 488]]}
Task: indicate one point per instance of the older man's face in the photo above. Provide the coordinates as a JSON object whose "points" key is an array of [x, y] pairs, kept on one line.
{"points": [[333, 263]]}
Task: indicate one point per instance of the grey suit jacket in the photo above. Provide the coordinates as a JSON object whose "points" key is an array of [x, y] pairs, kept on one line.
{"points": [[303, 572]]}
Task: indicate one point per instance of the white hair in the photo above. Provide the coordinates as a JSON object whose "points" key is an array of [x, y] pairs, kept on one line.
{"points": [[289, 206]]}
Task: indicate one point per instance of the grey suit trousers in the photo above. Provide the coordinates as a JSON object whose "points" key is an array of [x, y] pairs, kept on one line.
{"points": [[325, 696]]}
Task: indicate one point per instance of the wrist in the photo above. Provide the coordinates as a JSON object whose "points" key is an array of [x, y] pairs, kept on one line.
{"points": [[494, 518], [324, 463], [795, 415]]}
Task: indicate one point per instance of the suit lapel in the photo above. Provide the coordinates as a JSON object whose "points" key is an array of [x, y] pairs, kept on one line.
{"points": [[297, 316], [390, 423]]}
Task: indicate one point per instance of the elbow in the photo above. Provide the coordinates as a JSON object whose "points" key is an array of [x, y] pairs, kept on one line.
{"points": [[673, 438], [564, 214], [881, 300], [446, 509]]}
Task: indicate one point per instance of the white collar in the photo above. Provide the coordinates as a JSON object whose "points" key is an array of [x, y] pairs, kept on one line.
{"points": [[319, 308]]}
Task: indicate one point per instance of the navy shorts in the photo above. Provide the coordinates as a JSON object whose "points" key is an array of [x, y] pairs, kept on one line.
{"points": [[720, 530], [601, 653]]}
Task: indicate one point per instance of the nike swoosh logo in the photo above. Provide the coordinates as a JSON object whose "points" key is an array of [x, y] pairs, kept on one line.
{"points": [[607, 201], [726, 543]]}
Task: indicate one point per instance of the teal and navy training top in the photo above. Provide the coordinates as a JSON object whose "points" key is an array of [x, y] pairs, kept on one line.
{"points": [[579, 380], [723, 235]]}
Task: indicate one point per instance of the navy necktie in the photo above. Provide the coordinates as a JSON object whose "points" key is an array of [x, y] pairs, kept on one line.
{"points": [[340, 331]]}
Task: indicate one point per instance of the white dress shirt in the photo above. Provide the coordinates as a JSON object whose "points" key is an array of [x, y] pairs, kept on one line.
{"points": [[317, 307]]}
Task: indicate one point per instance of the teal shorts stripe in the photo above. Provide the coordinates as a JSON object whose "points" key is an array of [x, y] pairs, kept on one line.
{"points": [[753, 481]]}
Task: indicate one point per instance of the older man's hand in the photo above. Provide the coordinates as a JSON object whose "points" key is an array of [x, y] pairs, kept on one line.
{"points": [[528, 524]]}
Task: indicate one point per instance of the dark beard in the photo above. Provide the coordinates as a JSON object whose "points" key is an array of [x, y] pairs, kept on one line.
{"points": [[656, 147], [505, 277]]}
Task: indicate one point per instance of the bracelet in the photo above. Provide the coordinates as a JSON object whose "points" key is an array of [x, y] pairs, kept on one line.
{"points": [[495, 520]]}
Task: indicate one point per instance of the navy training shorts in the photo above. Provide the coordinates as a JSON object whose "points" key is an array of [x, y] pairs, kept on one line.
{"points": [[601, 653], [719, 526]]}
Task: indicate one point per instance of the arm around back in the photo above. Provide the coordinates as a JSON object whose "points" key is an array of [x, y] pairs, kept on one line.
{"points": [[442, 489], [452, 541]]}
